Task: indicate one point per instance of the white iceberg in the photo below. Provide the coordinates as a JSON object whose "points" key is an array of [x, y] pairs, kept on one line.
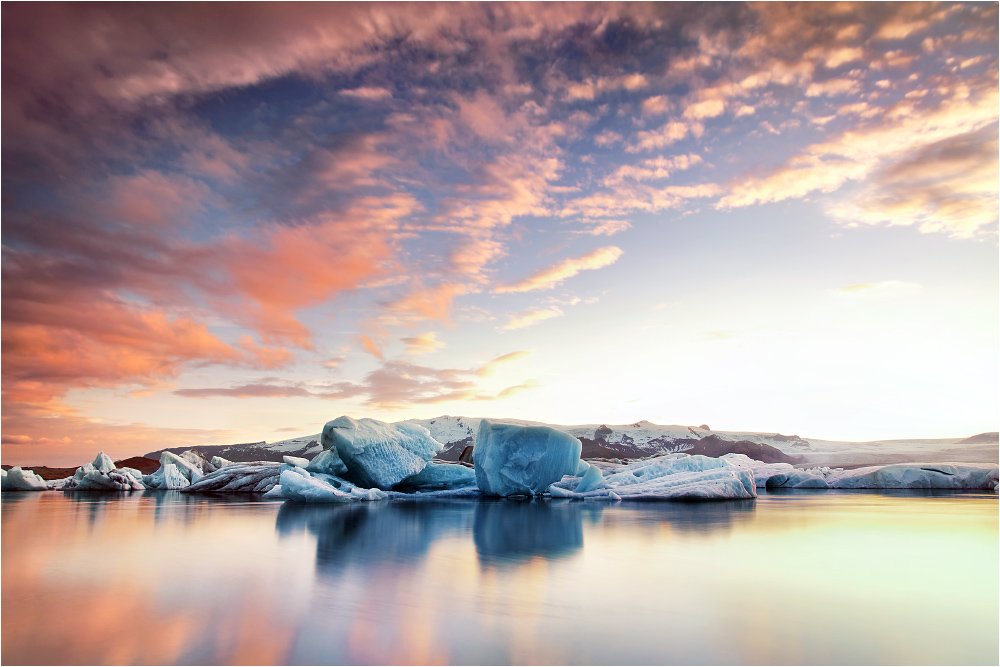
{"points": [[761, 471], [968, 477], [669, 477], [218, 462], [320, 488], [114, 480], [176, 472], [378, 454], [796, 479], [511, 459], [256, 477], [103, 463], [17, 479], [296, 461]]}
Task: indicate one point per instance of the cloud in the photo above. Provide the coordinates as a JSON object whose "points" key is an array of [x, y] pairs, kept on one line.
{"points": [[368, 93], [552, 276], [422, 344], [489, 367], [886, 288], [656, 168], [534, 316], [666, 134]]}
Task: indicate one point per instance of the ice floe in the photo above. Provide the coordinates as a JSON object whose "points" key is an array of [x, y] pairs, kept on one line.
{"points": [[17, 479], [101, 475], [255, 477], [916, 476], [511, 459], [378, 454]]}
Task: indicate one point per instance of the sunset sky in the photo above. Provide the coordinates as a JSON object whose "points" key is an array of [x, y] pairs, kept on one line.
{"points": [[228, 223]]}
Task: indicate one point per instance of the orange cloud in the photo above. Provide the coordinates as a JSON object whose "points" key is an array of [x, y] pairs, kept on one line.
{"points": [[552, 276], [531, 317]]}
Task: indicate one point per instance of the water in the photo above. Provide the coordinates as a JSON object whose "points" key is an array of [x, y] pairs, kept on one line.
{"points": [[791, 578]]}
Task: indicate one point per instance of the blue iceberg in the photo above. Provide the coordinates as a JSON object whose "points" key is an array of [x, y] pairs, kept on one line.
{"points": [[514, 460], [378, 454]]}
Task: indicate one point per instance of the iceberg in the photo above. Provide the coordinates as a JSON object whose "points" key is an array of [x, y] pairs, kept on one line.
{"points": [[592, 480], [257, 477], [511, 459], [114, 480], [295, 461], [103, 463], [328, 462], [437, 476], [669, 477], [796, 479], [219, 462], [320, 488], [17, 479], [761, 471], [378, 454], [968, 477], [176, 472]]}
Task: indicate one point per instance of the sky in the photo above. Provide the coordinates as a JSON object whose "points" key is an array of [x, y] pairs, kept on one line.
{"points": [[231, 223]]}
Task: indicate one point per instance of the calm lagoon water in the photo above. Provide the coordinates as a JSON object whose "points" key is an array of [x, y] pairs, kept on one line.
{"points": [[791, 578]]}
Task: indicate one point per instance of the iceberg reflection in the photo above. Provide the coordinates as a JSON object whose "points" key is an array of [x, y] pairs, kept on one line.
{"points": [[511, 531]]}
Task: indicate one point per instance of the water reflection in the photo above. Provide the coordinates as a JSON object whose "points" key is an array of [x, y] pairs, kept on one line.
{"points": [[507, 532], [367, 534]]}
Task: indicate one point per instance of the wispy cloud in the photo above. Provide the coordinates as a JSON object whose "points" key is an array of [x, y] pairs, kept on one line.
{"points": [[552, 276], [534, 316]]}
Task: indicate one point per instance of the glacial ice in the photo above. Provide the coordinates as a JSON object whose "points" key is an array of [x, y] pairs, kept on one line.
{"points": [[218, 462], [320, 488], [113, 480], [437, 476], [917, 476], [796, 479], [176, 472], [257, 477], [761, 471], [17, 479], [522, 460], [296, 461], [378, 454], [103, 463], [328, 462], [592, 480], [669, 477]]}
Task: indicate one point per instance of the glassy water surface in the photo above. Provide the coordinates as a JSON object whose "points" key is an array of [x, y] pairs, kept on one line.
{"points": [[791, 578]]}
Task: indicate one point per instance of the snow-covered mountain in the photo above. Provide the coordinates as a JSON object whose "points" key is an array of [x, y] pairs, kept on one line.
{"points": [[643, 438]]}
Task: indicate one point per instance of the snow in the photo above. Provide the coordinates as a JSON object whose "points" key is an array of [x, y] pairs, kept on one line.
{"points": [[259, 477], [379, 454], [327, 461], [17, 479], [511, 459], [437, 476]]}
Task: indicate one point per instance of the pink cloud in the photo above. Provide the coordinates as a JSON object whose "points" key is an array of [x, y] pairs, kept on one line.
{"points": [[552, 276]]}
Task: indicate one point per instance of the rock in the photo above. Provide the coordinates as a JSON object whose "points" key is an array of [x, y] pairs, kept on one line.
{"points": [[522, 460], [466, 455]]}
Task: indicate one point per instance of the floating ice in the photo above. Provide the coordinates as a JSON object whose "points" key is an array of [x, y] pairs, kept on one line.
{"points": [[103, 463], [761, 471], [218, 462], [17, 479], [378, 454], [176, 472], [437, 476], [320, 488], [670, 477], [114, 480], [592, 480], [257, 477], [796, 479], [522, 460], [327, 461], [917, 476], [296, 461]]}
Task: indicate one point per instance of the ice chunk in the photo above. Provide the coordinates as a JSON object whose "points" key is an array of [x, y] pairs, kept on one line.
{"points": [[322, 488], [378, 454], [162, 479], [114, 480], [436, 476], [761, 471], [917, 476], [218, 462], [796, 479], [103, 463], [17, 479], [522, 460], [327, 461], [132, 472], [296, 461], [674, 476], [259, 477], [592, 480]]}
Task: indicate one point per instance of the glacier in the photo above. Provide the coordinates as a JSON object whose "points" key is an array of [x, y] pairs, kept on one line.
{"points": [[511, 459], [378, 454]]}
